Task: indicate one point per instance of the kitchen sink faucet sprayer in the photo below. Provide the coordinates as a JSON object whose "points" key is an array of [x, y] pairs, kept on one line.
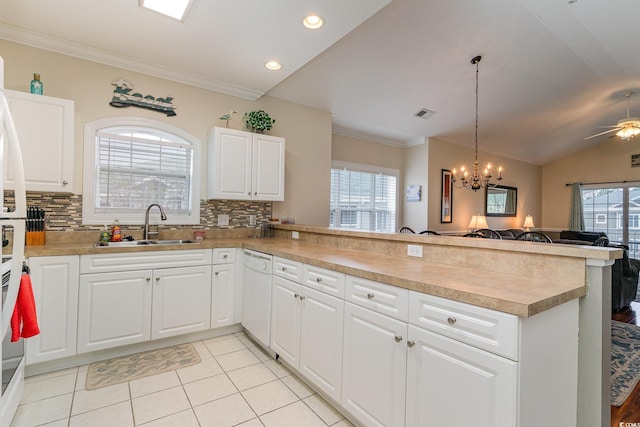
{"points": [[163, 217]]}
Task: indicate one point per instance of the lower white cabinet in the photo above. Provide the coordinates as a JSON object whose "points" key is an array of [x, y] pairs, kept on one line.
{"points": [[181, 301], [374, 367], [454, 384], [55, 289], [114, 309], [224, 288], [133, 306], [306, 332]]}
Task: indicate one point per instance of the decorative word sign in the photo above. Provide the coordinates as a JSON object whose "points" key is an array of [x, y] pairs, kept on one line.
{"points": [[122, 97]]}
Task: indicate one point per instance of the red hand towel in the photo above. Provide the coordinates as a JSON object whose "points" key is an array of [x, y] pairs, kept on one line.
{"points": [[24, 312]]}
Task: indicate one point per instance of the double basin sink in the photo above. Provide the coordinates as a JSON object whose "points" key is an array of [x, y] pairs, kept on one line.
{"points": [[127, 243]]}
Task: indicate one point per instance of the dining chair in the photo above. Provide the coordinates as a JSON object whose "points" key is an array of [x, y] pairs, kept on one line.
{"points": [[489, 233], [406, 230], [534, 236], [429, 232], [475, 235]]}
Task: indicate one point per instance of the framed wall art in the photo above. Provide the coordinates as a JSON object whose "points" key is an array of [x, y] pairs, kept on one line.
{"points": [[446, 199], [414, 193]]}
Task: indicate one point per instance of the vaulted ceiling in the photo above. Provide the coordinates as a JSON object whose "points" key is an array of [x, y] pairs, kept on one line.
{"points": [[552, 71]]}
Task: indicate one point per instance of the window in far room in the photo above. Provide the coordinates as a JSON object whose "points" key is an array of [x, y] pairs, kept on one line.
{"points": [[131, 163], [363, 197]]}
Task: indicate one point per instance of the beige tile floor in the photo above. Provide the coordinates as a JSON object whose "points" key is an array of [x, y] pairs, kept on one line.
{"points": [[235, 384]]}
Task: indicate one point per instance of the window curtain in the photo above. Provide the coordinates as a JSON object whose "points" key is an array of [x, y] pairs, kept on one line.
{"points": [[576, 219], [510, 203]]}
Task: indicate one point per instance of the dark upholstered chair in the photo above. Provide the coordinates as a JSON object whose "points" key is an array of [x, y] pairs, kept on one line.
{"points": [[624, 280], [429, 232], [406, 230], [508, 234], [489, 233]]}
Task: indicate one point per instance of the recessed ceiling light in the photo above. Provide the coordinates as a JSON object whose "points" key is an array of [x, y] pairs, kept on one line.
{"points": [[273, 65], [175, 9], [313, 22]]}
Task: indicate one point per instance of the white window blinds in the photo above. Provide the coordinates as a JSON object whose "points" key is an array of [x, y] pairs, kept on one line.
{"points": [[136, 168], [363, 200]]}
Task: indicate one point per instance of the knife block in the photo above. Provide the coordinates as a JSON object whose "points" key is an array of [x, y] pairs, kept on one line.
{"points": [[35, 238]]}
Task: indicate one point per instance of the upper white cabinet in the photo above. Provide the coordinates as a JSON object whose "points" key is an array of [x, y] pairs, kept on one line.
{"points": [[245, 166], [45, 127]]}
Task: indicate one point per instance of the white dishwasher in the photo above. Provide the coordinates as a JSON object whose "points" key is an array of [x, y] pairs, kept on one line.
{"points": [[256, 295]]}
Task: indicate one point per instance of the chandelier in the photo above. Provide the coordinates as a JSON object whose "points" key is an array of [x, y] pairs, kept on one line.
{"points": [[476, 180]]}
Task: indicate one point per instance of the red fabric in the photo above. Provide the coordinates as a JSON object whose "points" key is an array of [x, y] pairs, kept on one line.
{"points": [[24, 312]]}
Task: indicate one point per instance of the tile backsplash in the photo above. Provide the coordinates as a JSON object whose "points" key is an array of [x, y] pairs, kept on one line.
{"points": [[64, 212]]}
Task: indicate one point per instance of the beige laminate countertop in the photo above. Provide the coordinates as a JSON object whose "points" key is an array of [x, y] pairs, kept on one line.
{"points": [[518, 295]]}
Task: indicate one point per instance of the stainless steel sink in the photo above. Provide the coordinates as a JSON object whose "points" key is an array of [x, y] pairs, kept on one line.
{"points": [[127, 243], [173, 242]]}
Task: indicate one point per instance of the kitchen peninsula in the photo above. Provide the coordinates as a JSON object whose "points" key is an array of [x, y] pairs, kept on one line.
{"points": [[539, 285]]}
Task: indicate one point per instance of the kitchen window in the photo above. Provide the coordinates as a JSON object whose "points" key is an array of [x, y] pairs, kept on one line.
{"points": [[131, 163], [363, 197]]}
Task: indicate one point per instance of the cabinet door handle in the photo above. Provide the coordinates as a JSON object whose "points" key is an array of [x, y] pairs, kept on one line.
{"points": [[249, 193], [296, 295], [319, 279], [224, 256], [216, 273], [157, 279], [284, 268], [451, 320], [370, 295], [410, 344], [65, 182], [148, 279], [398, 338], [302, 297]]}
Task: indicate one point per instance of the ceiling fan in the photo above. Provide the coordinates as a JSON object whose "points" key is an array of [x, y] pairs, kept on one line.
{"points": [[626, 128]]}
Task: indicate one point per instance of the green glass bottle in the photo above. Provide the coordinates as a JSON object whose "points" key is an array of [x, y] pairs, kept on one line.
{"points": [[37, 87]]}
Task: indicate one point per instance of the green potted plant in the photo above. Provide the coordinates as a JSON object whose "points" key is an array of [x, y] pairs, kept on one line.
{"points": [[258, 121]]}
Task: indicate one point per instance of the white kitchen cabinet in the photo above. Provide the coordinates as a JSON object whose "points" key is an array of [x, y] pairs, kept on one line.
{"points": [[285, 320], [454, 384], [45, 127], [123, 295], [223, 288], [55, 288], [306, 333], [114, 309], [321, 334], [245, 165], [181, 301], [374, 367]]}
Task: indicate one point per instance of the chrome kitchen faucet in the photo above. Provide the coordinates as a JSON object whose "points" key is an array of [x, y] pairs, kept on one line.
{"points": [[163, 217]]}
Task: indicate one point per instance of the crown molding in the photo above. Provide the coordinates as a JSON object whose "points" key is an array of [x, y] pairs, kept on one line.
{"points": [[402, 143], [78, 50]]}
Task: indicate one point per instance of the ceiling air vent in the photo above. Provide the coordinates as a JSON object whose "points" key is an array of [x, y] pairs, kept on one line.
{"points": [[423, 113]]}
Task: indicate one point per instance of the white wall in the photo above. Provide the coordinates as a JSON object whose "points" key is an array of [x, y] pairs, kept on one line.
{"points": [[416, 172], [465, 203], [307, 130], [606, 162]]}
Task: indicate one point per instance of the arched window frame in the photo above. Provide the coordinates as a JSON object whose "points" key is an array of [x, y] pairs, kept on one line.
{"points": [[174, 136]]}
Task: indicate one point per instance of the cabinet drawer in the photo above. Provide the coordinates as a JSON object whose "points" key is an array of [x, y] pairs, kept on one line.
{"points": [[288, 269], [385, 299], [115, 262], [224, 255], [483, 328], [323, 280]]}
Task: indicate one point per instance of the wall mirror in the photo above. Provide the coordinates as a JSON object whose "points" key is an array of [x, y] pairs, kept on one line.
{"points": [[500, 200]]}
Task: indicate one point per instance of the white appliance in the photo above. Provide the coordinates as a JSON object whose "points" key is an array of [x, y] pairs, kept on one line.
{"points": [[11, 354], [256, 295]]}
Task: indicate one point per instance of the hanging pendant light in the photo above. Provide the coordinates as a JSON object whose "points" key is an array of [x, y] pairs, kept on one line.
{"points": [[476, 180]]}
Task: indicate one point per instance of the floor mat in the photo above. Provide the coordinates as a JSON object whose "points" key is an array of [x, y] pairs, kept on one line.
{"points": [[625, 360], [139, 365]]}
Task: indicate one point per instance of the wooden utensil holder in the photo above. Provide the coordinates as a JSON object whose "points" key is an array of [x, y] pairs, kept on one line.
{"points": [[35, 238]]}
